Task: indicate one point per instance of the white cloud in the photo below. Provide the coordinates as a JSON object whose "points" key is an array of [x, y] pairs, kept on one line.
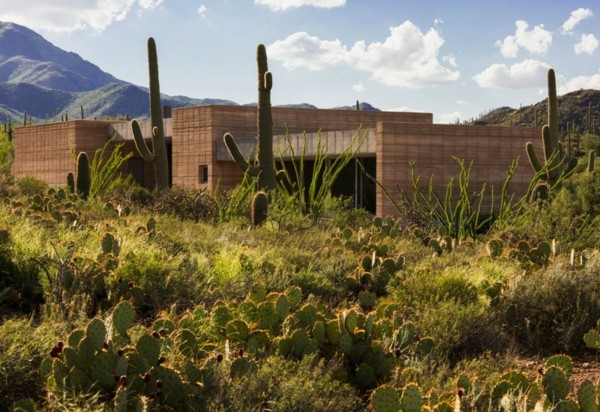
{"points": [[406, 58], [461, 102], [447, 118], [536, 40], [302, 50], [278, 5], [202, 10], [524, 75], [581, 82], [576, 17], [67, 15], [358, 88], [450, 59], [588, 43], [150, 4]]}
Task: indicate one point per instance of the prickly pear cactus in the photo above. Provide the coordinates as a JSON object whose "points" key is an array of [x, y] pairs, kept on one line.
{"points": [[588, 397], [592, 338], [411, 400], [385, 399], [122, 317], [555, 384]]}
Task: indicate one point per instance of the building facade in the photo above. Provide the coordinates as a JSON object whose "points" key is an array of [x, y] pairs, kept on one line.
{"points": [[199, 159]]}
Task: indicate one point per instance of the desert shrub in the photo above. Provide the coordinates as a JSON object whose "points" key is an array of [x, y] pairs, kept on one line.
{"points": [[162, 281], [20, 283], [427, 288], [460, 330], [29, 186], [451, 309], [549, 311], [285, 385], [131, 196], [590, 142], [22, 349], [187, 204], [572, 217]]}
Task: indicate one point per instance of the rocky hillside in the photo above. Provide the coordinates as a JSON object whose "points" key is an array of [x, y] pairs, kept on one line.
{"points": [[573, 109], [47, 83], [26, 57]]}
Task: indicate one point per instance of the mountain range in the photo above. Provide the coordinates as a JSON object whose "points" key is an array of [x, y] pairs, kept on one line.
{"points": [[47, 82]]}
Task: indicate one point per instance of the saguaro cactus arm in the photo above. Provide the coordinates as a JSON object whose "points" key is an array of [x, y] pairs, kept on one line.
{"points": [[140, 143], [533, 158], [238, 157]]}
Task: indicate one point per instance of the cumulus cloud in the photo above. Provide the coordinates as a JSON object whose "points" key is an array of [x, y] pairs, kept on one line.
{"points": [[279, 5], [67, 15], [580, 82], [588, 43], [358, 88], [202, 10], [536, 40], [524, 75], [406, 58], [302, 50], [576, 17]]}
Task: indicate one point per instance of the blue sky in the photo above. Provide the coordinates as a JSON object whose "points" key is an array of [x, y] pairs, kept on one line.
{"points": [[454, 58]]}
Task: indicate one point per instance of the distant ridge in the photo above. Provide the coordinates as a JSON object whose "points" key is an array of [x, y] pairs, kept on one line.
{"points": [[572, 109]]}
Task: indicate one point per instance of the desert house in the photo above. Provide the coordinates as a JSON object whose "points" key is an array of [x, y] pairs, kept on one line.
{"points": [[199, 159]]}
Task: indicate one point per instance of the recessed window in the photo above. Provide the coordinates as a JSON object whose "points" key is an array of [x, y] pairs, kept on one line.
{"points": [[203, 173]]}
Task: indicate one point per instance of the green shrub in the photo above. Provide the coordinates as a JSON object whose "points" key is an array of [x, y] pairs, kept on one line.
{"points": [[286, 386], [460, 330], [549, 311], [162, 281], [22, 349], [29, 186]]}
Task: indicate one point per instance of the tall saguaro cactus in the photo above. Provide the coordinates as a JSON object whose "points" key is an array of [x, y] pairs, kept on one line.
{"points": [[159, 146], [265, 169], [556, 165]]}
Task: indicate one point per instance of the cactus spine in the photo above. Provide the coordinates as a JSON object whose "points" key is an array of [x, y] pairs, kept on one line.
{"points": [[84, 180], [159, 156], [265, 170]]}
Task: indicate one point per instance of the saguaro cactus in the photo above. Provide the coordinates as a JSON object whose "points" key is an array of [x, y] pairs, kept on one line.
{"points": [[258, 208], [553, 154], [557, 165], [84, 180], [265, 169], [159, 156]]}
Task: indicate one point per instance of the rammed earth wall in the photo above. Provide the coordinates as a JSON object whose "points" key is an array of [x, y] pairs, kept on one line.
{"points": [[196, 133]]}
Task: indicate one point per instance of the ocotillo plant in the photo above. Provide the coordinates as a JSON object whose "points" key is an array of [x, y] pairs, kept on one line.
{"points": [[159, 156], [265, 169]]}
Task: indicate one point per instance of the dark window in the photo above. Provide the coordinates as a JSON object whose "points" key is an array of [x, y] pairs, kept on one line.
{"points": [[203, 172]]}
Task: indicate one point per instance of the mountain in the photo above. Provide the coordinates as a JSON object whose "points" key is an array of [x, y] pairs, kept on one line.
{"points": [[26, 57], [47, 82], [573, 108]]}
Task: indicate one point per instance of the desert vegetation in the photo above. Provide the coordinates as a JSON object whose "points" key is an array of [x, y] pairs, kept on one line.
{"points": [[275, 296]]}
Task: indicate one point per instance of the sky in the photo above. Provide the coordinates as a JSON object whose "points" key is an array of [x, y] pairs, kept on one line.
{"points": [[454, 58]]}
